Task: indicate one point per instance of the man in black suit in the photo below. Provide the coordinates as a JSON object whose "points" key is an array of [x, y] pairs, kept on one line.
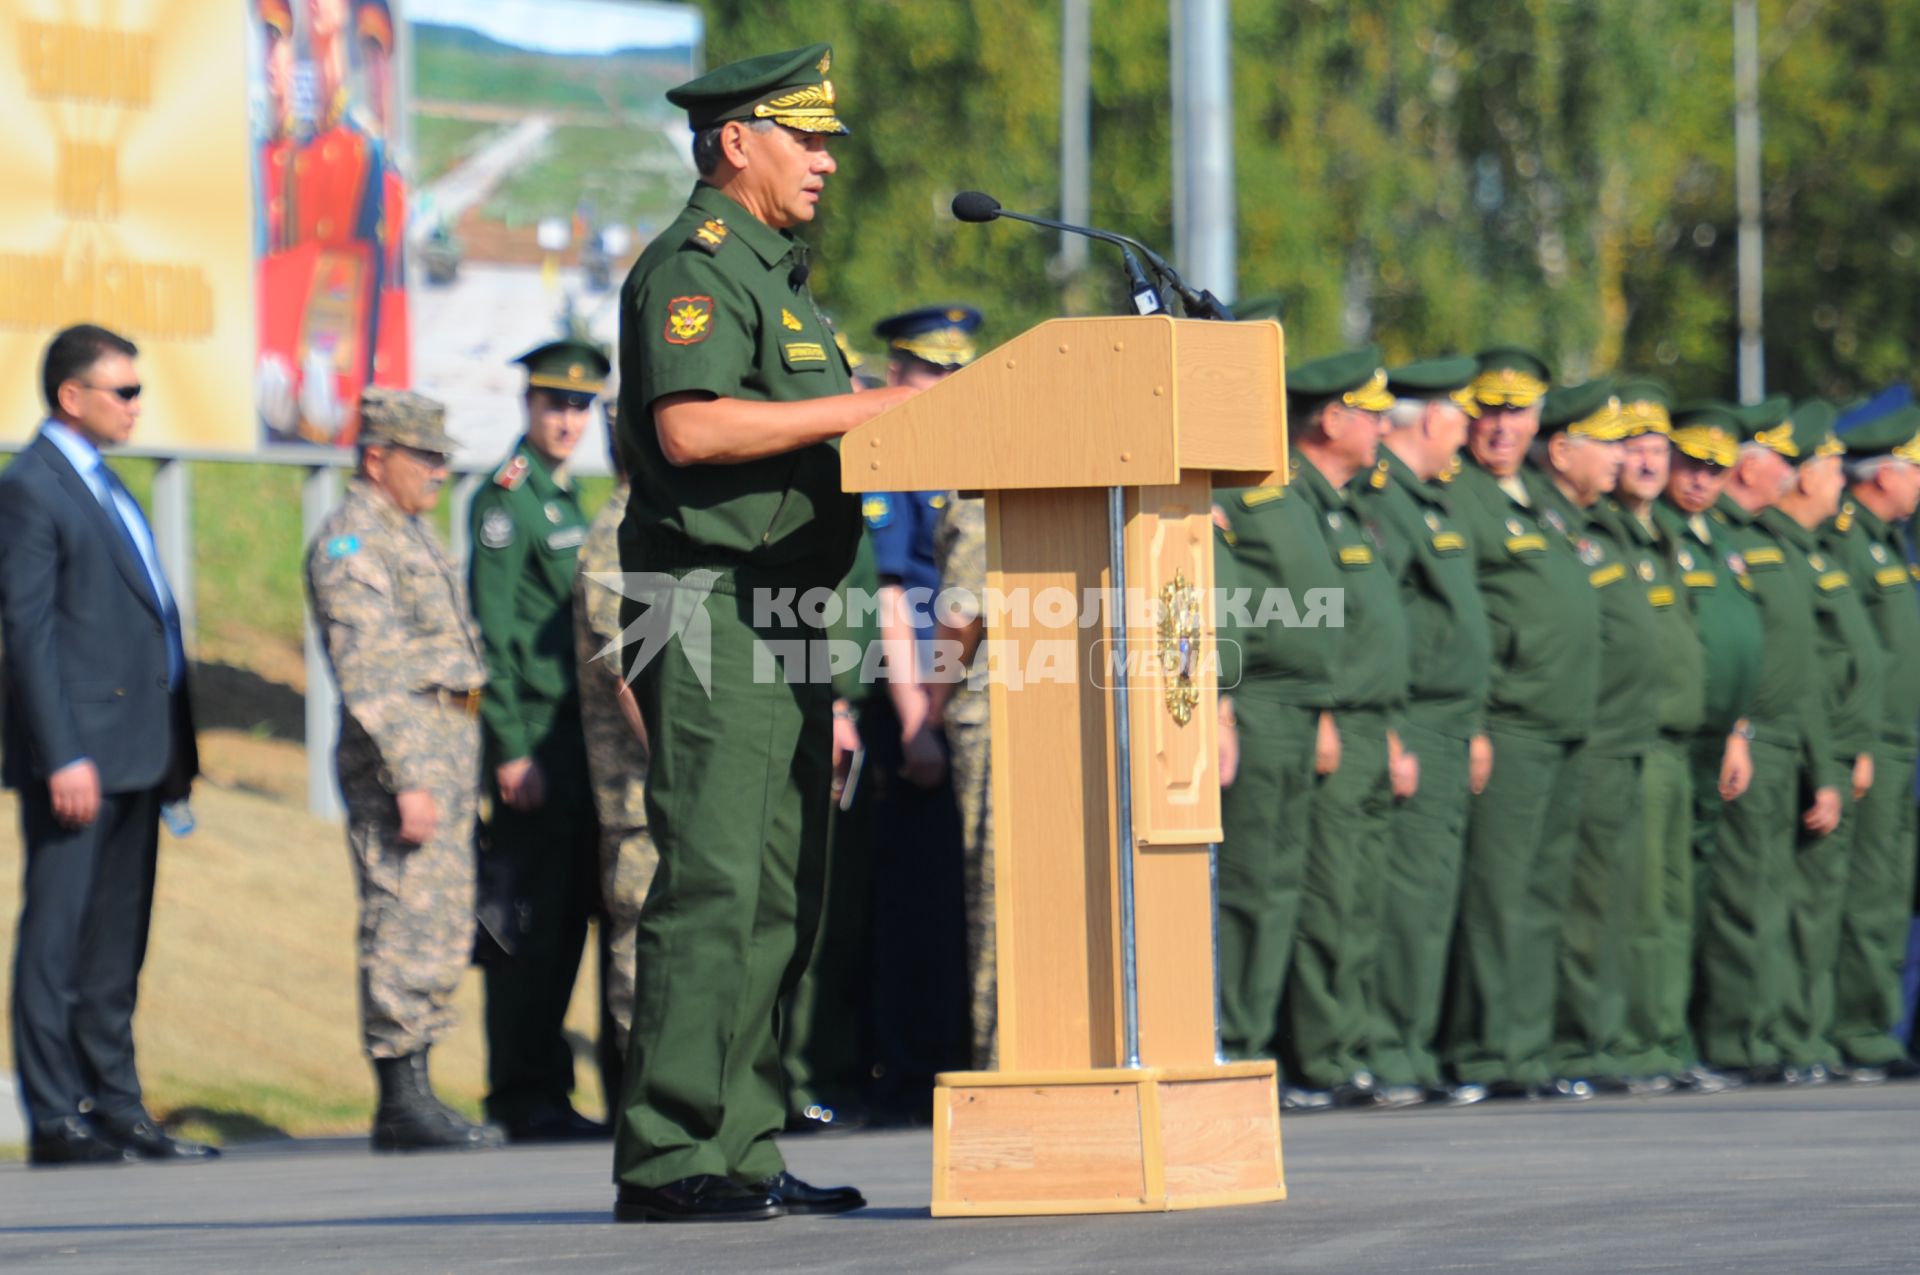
{"points": [[98, 736]]}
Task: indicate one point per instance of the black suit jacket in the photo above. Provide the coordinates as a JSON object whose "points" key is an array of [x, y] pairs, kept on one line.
{"points": [[85, 657]]}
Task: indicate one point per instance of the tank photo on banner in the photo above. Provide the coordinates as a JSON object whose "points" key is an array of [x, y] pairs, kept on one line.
{"points": [[546, 157]]}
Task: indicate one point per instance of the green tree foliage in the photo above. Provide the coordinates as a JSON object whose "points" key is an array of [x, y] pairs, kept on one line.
{"points": [[1428, 174]]}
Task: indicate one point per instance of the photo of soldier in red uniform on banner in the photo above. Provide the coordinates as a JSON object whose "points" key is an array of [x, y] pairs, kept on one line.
{"points": [[332, 210]]}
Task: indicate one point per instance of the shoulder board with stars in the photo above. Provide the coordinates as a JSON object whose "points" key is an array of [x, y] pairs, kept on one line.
{"points": [[512, 474], [710, 236]]}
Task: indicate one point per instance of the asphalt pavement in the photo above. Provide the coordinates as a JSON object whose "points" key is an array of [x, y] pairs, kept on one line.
{"points": [[1774, 1180]]}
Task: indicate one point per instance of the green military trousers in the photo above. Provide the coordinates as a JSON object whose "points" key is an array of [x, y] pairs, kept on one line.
{"points": [[1420, 896], [1513, 893], [552, 862], [737, 796], [1816, 890], [1875, 915], [1590, 1012], [1324, 1014], [1743, 915], [1658, 975], [1265, 819]]}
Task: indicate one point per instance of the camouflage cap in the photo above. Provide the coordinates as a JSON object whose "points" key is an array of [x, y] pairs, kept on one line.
{"points": [[1584, 411], [790, 88], [404, 418]]}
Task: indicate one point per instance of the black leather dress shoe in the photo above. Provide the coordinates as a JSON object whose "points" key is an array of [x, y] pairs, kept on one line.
{"points": [[556, 1124], [1852, 1074], [1304, 1102], [1506, 1090], [1649, 1086], [1702, 1079], [1399, 1097], [1354, 1094], [1564, 1089], [1617, 1086], [73, 1141], [800, 1197], [1809, 1075], [706, 1197], [1903, 1069], [818, 1119], [148, 1141], [1461, 1095]]}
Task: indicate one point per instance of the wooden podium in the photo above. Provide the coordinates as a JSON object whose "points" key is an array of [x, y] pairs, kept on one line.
{"points": [[1091, 436]]}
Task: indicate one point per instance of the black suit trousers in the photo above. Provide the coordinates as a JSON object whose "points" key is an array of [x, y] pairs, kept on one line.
{"points": [[88, 894]]}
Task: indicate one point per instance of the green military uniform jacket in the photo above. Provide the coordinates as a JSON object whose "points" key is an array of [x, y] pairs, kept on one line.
{"points": [[527, 529], [1789, 707], [1432, 561], [1851, 661], [1720, 601], [1542, 606], [1872, 554], [1373, 660], [1273, 542], [1680, 664], [1622, 570], [719, 304]]}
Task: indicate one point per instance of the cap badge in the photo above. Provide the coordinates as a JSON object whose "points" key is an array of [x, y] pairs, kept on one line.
{"points": [[1879, 552], [1646, 570]]}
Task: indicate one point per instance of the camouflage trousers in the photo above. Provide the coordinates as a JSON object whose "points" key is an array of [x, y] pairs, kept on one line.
{"points": [[416, 902], [972, 790], [627, 863]]}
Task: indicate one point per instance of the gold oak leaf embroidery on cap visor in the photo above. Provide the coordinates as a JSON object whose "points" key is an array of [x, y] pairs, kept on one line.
{"points": [[689, 320]]}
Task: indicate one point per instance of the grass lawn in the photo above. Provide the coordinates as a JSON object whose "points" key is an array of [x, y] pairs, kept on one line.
{"points": [[440, 143], [629, 175]]}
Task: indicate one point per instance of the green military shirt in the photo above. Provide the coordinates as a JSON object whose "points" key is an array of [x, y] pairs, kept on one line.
{"points": [[1273, 543], [1680, 671], [1373, 660], [1622, 571], [1871, 552], [1851, 661], [1725, 615], [1543, 609], [1431, 559], [527, 528], [1789, 707], [719, 303]]}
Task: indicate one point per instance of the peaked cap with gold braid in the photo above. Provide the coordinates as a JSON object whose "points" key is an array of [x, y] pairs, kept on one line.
{"points": [[1708, 432], [1431, 380], [1645, 408], [1510, 377], [1893, 432], [790, 88], [569, 365], [1355, 379], [1589, 411], [938, 334]]}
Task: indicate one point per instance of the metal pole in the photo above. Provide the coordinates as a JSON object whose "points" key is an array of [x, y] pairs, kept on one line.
{"points": [[317, 499], [173, 538], [1213, 888], [1204, 221], [1746, 165], [1076, 41], [1123, 774]]}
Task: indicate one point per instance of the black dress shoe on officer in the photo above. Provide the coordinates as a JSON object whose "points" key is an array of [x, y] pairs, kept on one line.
{"points": [[1505, 1090], [800, 1197], [1903, 1069], [557, 1124], [1565, 1089], [1462, 1095], [1399, 1097], [73, 1141], [1702, 1079], [1807, 1076], [1617, 1086], [815, 1118], [705, 1197], [1850, 1074], [148, 1141], [1304, 1102], [1649, 1086]]}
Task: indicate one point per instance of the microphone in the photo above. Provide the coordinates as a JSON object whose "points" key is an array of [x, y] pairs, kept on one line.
{"points": [[977, 206]]}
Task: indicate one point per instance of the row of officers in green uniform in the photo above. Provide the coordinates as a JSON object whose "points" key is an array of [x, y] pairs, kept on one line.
{"points": [[1602, 778]]}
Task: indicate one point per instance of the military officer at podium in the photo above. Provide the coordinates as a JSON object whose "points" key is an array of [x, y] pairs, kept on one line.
{"points": [[732, 394], [542, 862], [919, 924], [1336, 405], [1410, 517]]}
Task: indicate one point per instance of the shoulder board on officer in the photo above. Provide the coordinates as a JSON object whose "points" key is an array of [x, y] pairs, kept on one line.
{"points": [[511, 474], [710, 236]]}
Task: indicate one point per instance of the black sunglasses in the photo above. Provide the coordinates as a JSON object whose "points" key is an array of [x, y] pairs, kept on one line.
{"points": [[126, 393]]}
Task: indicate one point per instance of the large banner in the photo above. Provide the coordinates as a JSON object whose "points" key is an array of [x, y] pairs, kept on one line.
{"points": [[124, 200]]}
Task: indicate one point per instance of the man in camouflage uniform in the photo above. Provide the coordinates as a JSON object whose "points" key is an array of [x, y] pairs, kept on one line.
{"points": [[393, 613], [959, 707], [616, 762]]}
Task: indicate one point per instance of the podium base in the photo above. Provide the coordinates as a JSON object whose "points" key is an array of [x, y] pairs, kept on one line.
{"points": [[1105, 1140]]}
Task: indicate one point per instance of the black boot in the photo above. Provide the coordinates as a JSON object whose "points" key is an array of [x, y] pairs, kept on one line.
{"points": [[409, 1118], [489, 1135]]}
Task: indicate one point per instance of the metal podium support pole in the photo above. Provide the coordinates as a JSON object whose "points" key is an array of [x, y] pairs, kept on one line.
{"points": [[1123, 773]]}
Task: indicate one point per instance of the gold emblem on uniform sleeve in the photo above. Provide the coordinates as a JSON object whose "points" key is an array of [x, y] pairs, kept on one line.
{"points": [[689, 320], [1179, 647], [789, 321]]}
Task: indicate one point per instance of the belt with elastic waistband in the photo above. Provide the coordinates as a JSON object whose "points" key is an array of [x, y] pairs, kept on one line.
{"points": [[467, 702]]}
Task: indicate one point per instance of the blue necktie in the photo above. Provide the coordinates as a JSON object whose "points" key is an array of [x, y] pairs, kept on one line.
{"points": [[176, 648]]}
